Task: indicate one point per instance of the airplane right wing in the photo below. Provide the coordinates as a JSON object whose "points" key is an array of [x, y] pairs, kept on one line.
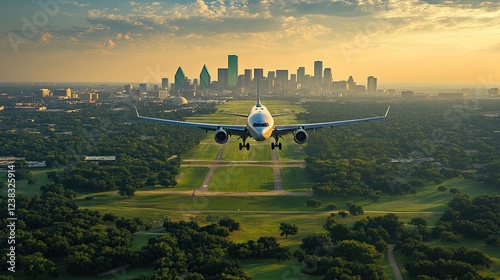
{"points": [[285, 129], [231, 129]]}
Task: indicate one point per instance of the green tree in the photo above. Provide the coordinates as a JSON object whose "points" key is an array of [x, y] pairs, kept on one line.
{"points": [[313, 203], [288, 229]]}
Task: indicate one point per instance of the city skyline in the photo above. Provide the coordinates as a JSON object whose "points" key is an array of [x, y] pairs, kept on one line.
{"points": [[142, 41]]}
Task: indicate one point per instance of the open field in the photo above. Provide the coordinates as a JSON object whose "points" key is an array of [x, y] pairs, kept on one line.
{"points": [[295, 179], [242, 179], [190, 177], [260, 215]]}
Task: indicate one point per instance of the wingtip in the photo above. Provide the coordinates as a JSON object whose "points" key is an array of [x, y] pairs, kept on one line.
{"points": [[387, 112], [136, 111]]}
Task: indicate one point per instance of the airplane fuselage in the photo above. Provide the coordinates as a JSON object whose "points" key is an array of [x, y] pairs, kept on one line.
{"points": [[260, 123]]}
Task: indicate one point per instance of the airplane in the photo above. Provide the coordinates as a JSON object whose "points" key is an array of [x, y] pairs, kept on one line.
{"points": [[260, 126]]}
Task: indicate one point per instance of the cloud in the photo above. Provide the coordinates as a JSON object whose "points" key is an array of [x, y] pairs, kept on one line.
{"points": [[109, 44], [77, 4], [45, 38]]}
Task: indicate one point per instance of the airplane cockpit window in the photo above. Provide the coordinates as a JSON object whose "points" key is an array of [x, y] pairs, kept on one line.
{"points": [[261, 124]]}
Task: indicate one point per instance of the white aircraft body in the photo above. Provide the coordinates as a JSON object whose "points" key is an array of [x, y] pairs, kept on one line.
{"points": [[260, 126]]}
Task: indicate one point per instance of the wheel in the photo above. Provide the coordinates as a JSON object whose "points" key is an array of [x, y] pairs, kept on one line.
{"points": [[241, 146], [279, 146], [248, 146], [272, 146]]}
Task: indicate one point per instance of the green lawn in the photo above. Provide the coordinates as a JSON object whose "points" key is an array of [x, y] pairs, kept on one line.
{"points": [[259, 151], [242, 179], [191, 177], [295, 179], [40, 177]]}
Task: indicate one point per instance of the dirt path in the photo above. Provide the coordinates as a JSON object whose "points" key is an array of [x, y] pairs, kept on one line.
{"points": [[392, 261]]}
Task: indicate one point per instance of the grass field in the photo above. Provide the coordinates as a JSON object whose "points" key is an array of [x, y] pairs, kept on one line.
{"points": [[260, 215], [242, 179], [295, 179], [191, 177]]}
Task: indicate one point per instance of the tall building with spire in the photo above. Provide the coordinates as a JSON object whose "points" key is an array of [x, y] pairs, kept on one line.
{"points": [[180, 80], [232, 67], [205, 78]]}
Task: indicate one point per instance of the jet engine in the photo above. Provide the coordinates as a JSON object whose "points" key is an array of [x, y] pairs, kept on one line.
{"points": [[300, 136], [221, 136]]}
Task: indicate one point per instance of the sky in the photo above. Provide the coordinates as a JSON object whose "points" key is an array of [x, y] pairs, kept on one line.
{"points": [[409, 41]]}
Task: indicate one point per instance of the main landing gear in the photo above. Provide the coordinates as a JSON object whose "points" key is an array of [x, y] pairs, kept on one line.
{"points": [[276, 144], [244, 144]]}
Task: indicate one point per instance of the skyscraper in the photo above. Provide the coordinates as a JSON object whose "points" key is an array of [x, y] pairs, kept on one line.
{"points": [[247, 84], [180, 80], [258, 74], [327, 79], [205, 78], [281, 80], [301, 72], [143, 88], [318, 74], [232, 75], [222, 78], [372, 84], [164, 83], [350, 83]]}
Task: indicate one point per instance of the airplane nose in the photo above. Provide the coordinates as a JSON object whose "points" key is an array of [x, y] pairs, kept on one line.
{"points": [[260, 134]]}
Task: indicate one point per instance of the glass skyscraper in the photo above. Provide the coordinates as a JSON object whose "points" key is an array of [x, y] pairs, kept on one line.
{"points": [[204, 78], [232, 78], [180, 80]]}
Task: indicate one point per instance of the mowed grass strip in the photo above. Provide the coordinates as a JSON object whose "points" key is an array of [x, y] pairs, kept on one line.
{"points": [[242, 179], [191, 177], [259, 151], [295, 179]]}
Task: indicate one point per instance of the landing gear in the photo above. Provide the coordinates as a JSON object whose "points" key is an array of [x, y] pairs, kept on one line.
{"points": [[277, 145], [244, 144]]}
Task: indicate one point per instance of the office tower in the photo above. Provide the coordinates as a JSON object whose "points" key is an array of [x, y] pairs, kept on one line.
{"points": [[350, 83], [222, 76], [327, 79], [180, 80], [258, 74], [240, 85], [293, 82], [164, 83], [232, 75], [128, 89], [205, 79], [301, 72], [247, 84], [271, 77], [281, 82], [143, 88], [372, 84], [318, 74]]}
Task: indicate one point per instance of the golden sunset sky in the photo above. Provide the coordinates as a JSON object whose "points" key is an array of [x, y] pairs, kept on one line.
{"points": [[412, 41]]}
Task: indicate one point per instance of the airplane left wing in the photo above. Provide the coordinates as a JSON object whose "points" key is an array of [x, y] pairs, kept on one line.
{"points": [[232, 129], [285, 129]]}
